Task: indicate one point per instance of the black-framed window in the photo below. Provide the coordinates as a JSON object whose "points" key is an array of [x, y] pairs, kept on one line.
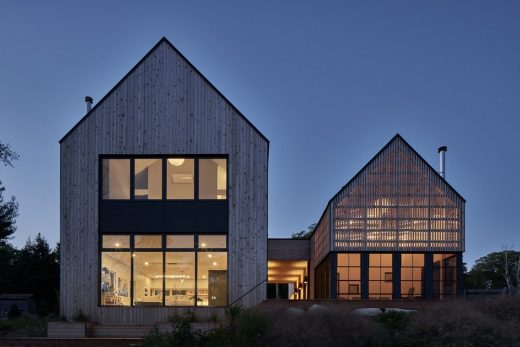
{"points": [[380, 276], [164, 177], [444, 275], [349, 276], [412, 275], [163, 270]]}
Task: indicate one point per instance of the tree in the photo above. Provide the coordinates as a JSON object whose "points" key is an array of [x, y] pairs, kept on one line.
{"points": [[489, 271], [304, 234], [7, 155], [37, 267], [8, 214], [8, 209]]}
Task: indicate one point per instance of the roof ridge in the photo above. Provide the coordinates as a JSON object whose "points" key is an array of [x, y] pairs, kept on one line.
{"points": [[157, 45]]}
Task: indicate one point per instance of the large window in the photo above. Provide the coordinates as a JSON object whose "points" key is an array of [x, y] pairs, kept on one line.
{"points": [[157, 270], [349, 276], [183, 178], [412, 276], [444, 275], [380, 276]]}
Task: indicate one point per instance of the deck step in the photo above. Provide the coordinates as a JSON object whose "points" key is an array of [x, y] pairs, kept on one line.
{"points": [[120, 330]]}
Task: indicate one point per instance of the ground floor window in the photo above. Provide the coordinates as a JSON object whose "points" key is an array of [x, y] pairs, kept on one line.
{"points": [[349, 276], [412, 276], [380, 276], [444, 275], [163, 270]]}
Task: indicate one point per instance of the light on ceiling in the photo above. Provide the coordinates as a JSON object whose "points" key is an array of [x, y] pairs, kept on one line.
{"points": [[176, 161]]}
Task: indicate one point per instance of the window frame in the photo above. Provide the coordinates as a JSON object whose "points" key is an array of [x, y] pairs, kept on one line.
{"points": [[164, 249], [164, 158]]}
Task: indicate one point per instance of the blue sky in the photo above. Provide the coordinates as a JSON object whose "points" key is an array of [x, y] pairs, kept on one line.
{"points": [[329, 83]]}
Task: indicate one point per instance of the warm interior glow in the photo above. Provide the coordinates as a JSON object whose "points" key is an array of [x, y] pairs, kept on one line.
{"points": [[176, 161]]}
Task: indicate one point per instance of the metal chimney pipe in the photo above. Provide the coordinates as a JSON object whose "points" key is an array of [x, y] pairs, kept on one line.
{"points": [[442, 151], [88, 100]]}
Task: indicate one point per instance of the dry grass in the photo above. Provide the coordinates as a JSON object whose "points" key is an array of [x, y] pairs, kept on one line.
{"points": [[453, 323]]}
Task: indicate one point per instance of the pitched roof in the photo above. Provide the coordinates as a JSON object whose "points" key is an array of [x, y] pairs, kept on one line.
{"points": [[397, 137], [161, 41]]}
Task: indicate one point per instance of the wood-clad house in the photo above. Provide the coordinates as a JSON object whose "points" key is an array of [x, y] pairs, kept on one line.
{"points": [[163, 199], [394, 231]]}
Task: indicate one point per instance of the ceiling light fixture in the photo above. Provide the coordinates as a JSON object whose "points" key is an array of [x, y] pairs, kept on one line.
{"points": [[176, 161]]}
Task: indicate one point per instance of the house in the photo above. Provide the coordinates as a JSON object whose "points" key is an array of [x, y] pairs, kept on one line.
{"points": [[24, 302], [163, 194], [394, 231]]}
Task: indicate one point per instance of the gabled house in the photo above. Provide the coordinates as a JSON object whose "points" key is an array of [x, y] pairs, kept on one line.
{"points": [[395, 230], [163, 194]]}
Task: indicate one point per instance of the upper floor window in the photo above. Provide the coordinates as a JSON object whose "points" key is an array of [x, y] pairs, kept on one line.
{"points": [[212, 179], [172, 178], [148, 179], [116, 179]]}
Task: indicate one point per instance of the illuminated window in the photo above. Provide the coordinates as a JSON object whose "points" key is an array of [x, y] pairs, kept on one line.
{"points": [[180, 241], [412, 276], [212, 241], [115, 278], [116, 241], [148, 179], [116, 179], [213, 179], [212, 279], [180, 183], [148, 278], [349, 276], [180, 279], [380, 276], [148, 241]]}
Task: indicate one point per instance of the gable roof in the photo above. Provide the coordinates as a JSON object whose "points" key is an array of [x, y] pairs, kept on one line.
{"points": [[397, 137], [161, 41]]}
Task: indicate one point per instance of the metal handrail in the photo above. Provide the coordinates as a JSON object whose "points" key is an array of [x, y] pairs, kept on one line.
{"points": [[240, 298]]}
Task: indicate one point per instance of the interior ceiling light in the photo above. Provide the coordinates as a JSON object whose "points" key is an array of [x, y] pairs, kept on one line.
{"points": [[176, 161]]}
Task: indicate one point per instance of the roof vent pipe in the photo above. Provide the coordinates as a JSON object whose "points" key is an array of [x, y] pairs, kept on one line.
{"points": [[442, 151], [88, 100]]}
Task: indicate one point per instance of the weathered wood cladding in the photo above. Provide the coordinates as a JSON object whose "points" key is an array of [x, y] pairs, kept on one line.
{"points": [[398, 203], [320, 246], [288, 249], [163, 106]]}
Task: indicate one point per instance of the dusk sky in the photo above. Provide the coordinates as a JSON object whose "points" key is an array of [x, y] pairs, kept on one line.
{"points": [[329, 83]]}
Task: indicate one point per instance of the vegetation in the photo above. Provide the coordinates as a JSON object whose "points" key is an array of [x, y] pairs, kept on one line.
{"points": [[23, 327], [489, 272], [304, 234], [33, 269]]}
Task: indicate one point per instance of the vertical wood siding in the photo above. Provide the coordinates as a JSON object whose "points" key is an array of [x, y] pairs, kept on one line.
{"points": [[162, 107]]}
